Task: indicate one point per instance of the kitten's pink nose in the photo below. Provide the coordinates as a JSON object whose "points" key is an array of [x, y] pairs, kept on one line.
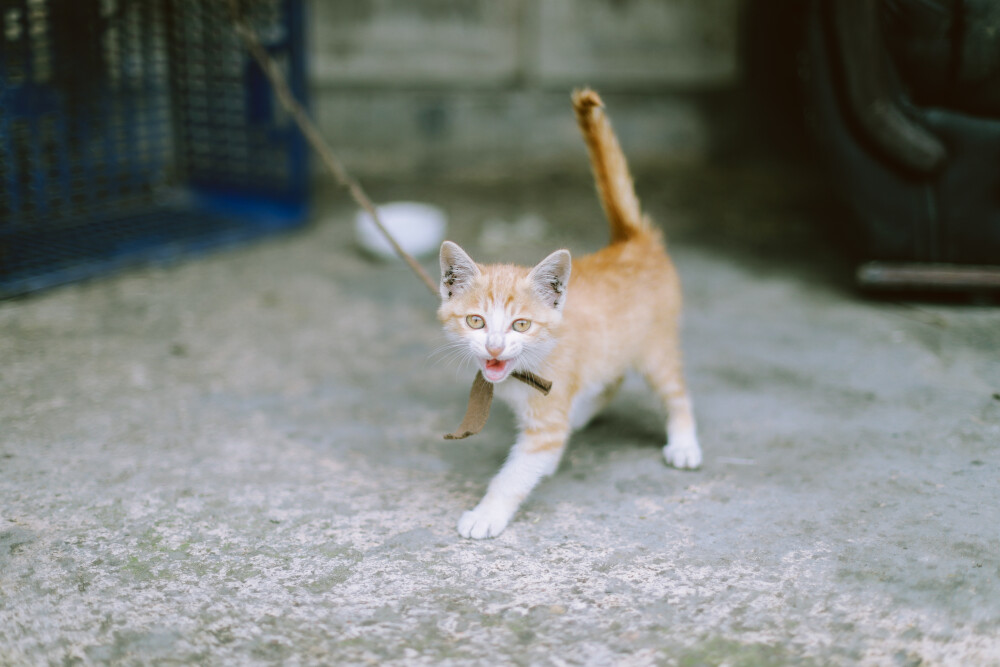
{"points": [[494, 351]]}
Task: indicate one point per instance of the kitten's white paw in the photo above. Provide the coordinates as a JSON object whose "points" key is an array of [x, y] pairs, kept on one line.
{"points": [[683, 453], [483, 522]]}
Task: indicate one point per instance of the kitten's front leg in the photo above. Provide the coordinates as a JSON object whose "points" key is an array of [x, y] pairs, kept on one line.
{"points": [[535, 455]]}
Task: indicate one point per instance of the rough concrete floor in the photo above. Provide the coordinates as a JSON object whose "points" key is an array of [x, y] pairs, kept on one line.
{"points": [[238, 460]]}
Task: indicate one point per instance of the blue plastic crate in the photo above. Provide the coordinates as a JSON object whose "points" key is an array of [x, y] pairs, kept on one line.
{"points": [[140, 130]]}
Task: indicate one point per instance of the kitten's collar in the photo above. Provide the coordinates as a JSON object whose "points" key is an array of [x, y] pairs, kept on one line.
{"points": [[481, 398], [532, 380]]}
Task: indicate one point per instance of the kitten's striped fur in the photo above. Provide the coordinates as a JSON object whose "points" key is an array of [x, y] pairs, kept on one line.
{"points": [[619, 312]]}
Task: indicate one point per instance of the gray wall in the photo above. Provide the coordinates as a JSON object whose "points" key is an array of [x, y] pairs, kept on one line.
{"points": [[481, 87]]}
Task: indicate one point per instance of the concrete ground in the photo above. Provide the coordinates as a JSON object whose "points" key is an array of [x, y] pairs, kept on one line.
{"points": [[238, 460]]}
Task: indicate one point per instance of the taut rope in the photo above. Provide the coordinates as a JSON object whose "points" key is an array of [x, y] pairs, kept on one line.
{"points": [[481, 396]]}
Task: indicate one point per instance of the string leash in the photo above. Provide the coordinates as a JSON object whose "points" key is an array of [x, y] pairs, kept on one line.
{"points": [[481, 394]]}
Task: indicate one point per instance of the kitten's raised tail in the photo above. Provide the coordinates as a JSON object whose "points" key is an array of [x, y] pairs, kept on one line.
{"points": [[614, 183]]}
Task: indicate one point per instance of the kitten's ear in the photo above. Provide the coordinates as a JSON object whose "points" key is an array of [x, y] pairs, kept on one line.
{"points": [[457, 270], [550, 278]]}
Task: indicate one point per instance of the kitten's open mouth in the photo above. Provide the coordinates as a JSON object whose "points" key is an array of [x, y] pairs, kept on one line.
{"points": [[496, 369]]}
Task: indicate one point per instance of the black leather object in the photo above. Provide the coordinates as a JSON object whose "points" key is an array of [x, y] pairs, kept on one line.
{"points": [[884, 100]]}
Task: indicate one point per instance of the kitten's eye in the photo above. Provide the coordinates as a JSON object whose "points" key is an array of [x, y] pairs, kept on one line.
{"points": [[475, 322], [521, 326]]}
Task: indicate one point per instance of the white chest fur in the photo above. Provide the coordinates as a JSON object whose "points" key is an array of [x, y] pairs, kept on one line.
{"points": [[587, 402]]}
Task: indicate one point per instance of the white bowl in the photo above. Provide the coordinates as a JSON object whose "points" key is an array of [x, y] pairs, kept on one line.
{"points": [[418, 228]]}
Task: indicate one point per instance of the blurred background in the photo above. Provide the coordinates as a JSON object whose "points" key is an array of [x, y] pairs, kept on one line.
{"points": [[481, 88], [143, 131], [133, 131]]}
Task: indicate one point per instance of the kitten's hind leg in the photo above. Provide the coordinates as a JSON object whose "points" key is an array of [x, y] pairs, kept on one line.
{"points": [[535, 456], [664, 373]]}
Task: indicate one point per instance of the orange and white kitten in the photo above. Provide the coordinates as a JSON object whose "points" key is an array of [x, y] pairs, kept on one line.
{"points": [[620, 312]]}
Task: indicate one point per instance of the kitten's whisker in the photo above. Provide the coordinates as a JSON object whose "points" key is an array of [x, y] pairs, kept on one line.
{"points": [[440, 355], [448, 351], [453, 354], [530, 358], [447, 347]]}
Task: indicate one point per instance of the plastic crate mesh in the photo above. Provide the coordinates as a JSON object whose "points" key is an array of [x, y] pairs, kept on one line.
{"points": [[133, 130]]}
